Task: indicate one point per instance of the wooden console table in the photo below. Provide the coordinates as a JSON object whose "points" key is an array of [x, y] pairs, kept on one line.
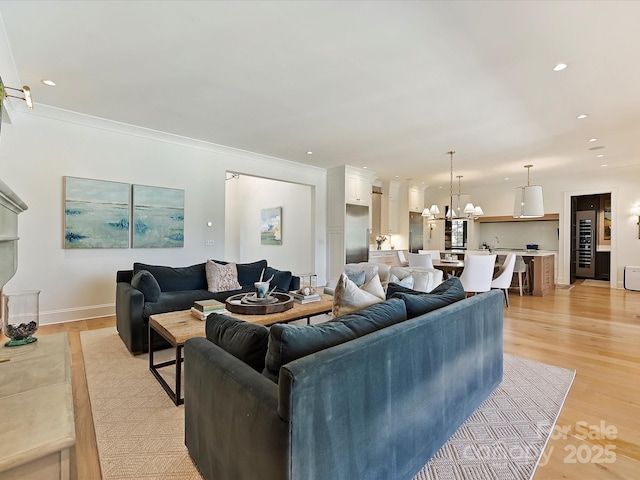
{"points": [[36, 402]]}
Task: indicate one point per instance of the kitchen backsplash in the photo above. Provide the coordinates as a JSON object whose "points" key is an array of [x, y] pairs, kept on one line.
{"points": [[518, 234]]}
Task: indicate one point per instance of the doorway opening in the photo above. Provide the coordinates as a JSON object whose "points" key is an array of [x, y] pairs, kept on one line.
{"points": [[591, 237]]}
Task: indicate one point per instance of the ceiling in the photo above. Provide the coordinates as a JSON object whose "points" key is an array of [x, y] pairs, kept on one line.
{"points": [[387, 85]]}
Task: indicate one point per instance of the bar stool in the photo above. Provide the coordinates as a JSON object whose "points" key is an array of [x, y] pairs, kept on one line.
{"points": [[520, 268]]}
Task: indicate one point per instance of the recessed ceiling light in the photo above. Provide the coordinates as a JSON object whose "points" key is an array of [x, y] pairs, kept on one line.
{"points": [[593, 139], [51, 83], [580, 117], [604, 165], [506, 178], [309, 153], [559, 67], [397, 176], [600, 155]]}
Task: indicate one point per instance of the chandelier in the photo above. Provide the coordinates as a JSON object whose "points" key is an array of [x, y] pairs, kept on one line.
{"points": [[456, 201]]}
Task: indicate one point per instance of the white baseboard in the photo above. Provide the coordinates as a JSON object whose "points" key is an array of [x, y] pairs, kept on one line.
{"points": [[75, 314]]}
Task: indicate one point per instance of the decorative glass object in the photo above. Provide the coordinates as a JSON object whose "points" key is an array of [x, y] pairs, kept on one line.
{"points": [[20, 317]]}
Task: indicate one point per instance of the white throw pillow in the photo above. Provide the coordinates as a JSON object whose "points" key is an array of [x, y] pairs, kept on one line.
{"points": [[374, 287], [421, 281], [348, 297], [222, 278]]}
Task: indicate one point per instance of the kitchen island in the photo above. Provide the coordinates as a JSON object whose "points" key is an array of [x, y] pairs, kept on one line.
{"points": [[541, 265]]}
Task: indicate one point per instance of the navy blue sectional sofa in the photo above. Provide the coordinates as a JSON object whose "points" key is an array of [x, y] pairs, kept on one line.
{"points": [[371, 395], [160, 289]]}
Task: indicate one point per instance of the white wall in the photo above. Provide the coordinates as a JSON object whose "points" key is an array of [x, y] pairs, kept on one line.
{"points": [[246, 196], [38, 149], [623, 183]]}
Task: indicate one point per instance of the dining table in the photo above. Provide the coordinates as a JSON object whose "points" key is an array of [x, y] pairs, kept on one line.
{"points": [[449, 267]]}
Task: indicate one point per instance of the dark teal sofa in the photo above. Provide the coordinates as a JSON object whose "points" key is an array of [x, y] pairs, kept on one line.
{"points": [[376, 405], [176, 288]]}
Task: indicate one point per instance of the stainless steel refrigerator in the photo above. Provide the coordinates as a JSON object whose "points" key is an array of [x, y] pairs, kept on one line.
{"points": [[356, 234], [416, 232]]}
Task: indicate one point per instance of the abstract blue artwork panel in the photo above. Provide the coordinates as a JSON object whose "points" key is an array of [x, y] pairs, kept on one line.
{"points": [[96, 213], [158, 217]]}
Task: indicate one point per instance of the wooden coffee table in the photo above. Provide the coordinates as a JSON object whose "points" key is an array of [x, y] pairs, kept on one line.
{"points": [[178, 327]]}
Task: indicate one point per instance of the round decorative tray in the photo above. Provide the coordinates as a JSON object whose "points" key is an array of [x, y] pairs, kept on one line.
{"points": [[249, 304]]}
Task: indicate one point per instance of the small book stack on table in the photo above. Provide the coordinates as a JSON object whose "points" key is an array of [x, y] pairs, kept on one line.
{"points": [[203, 308], [301, 297]]}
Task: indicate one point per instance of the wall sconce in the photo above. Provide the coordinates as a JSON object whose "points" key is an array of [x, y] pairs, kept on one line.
{"points": [[26, 91], [635, 211]]}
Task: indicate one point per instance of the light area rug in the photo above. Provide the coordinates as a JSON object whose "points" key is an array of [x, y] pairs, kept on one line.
{"points": [[140, 432]]}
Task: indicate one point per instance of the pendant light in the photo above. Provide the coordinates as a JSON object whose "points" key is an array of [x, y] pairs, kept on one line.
{"points": [[528, 202]]}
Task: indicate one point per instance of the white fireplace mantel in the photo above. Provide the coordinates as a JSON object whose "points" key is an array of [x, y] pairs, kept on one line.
{"points": [[10, 206]]}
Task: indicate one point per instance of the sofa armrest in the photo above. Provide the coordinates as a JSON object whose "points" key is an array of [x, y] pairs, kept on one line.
{"points": [[232, 428], [129, 321]]}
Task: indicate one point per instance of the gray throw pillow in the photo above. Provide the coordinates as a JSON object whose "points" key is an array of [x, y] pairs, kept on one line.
{"points": [[357, 277], [245, 341], [147, 284]]}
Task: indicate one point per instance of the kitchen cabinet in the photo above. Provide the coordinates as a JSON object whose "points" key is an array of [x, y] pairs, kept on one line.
{"points": [[542, 274], [387, 257], [416, 199], [357, 189], [390, 208]]}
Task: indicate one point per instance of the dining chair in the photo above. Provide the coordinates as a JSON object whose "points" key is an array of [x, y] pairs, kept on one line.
{"points": [[435, 254], [420, 260], [478, 273], [521, 268], [502, 279]]}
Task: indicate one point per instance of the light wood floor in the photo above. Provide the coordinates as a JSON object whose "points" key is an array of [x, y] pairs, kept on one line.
{"points": [[594, 330]]}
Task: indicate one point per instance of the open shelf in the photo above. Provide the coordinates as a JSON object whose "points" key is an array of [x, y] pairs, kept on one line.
{"points": [[507, 218]]}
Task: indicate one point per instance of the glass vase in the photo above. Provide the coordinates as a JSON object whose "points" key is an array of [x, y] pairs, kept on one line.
{"points": [[20, 317]]}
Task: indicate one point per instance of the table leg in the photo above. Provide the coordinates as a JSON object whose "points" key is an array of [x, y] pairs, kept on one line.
{"points": [[179, 400], [173, 395]]}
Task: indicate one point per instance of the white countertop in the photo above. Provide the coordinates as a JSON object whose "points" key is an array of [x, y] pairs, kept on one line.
{"points": [[525, 253]]}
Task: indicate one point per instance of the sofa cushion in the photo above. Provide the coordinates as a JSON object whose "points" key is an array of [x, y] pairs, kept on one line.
{"points": [[221, 278], [281, 279], [348, 298], [248, 273], [175, 279], [370, 270], [245, 341], [147, 284], [174, 301], [418, 303], [290, 342]]}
